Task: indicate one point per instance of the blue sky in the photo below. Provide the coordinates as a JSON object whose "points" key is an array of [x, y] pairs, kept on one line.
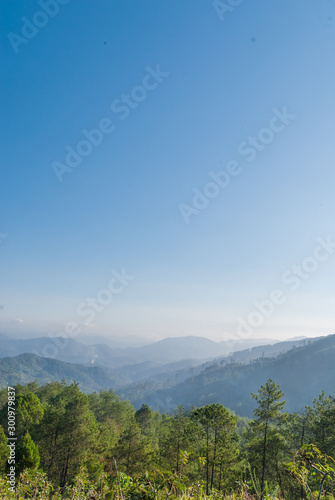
{"points": [[222, 82]]}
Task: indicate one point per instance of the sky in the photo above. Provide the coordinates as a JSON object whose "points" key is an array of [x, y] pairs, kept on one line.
{"points": [[167, 168]]}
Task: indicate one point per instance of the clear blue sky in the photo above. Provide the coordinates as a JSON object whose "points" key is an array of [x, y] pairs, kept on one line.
{"points": [[121, 206]]}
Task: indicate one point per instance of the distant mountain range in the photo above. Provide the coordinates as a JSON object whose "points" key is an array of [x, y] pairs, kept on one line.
{"points": [[302, 372], [169, 350], [302, 367]]}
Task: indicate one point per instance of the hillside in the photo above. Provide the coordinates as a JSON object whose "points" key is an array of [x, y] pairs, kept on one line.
{"points": [[138, 376], [150, 378], [29, 367], [168, 350], [302, 372], [265, 351], [172, 349], [68, 350]]}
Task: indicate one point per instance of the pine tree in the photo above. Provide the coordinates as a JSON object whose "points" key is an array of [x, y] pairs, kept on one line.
{"points": [[265, 439], [221, 441], [323, 423], [133, 452], [27, 454], [178, 433], [66, 434], [29, 412]]}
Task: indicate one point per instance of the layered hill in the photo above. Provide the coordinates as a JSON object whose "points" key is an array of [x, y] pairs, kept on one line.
{"points": [[27, 368], [302, 372], [303, 368], [169, 350]]}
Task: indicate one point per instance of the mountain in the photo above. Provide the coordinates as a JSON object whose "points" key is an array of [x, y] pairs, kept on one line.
{"points": [[237, 344], [265, 351], [162, 364], [26, 368], [143, 371], [169, 350], [149, 370], [69, 350], [114, 342], [178, 348], [63, 349], [174, 349], [167, 376], [302, 372]]}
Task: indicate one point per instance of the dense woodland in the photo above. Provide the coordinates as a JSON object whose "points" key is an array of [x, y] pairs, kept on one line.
{"points": [[76, 445]]}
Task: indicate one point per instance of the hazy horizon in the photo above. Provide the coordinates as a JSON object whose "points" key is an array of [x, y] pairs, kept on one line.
{"points": [[135, 340]]}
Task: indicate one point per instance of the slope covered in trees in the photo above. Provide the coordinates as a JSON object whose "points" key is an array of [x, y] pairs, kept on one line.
{"points": [[99, 446], [302, 372], [26, 368], [94, 374]]}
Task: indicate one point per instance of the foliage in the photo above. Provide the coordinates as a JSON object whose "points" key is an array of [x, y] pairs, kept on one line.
{"points": [[314, 471], [27, 455], [77, 446], [266, 439]]}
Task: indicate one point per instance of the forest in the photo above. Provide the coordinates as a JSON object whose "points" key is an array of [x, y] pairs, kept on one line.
{"points": [[97, 446]]}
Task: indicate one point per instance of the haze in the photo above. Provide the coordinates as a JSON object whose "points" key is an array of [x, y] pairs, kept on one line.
{"points": [[168, 170]]}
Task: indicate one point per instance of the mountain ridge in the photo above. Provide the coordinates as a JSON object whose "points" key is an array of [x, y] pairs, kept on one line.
{"points": [[170, 349], [302, 372], [302, 368]]}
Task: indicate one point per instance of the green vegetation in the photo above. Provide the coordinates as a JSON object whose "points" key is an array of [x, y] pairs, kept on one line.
{"points": [[74, 445]]}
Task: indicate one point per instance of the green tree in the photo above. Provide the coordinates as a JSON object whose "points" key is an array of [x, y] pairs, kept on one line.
{"points": [[144, 417], [221, 442], [299, 427], [149, 423], [323, 423], [109, 407], [47, 392], [134, 452], [27, 454], [66, 434], [177, 433], [113, 417], [265, 439], [29, 412]]}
